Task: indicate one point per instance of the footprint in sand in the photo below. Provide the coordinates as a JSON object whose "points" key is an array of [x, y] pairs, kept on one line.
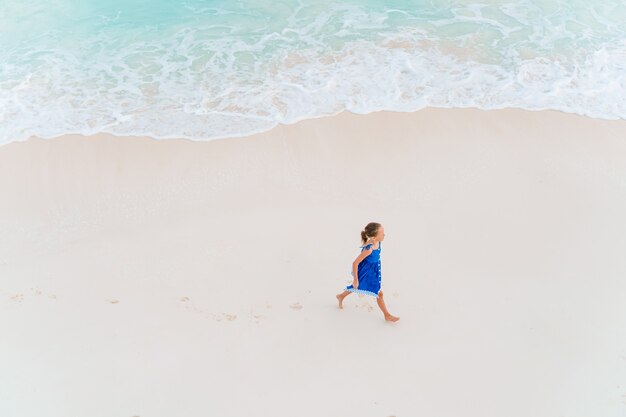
{"points": [[365, 305], [229, 317], [17, 297], [37, 291], [190, 307], [296, 306], [257, 318], [112, 301]]}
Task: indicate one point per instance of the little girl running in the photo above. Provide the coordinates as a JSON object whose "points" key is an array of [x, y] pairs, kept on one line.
{"points": [[366, 269]]}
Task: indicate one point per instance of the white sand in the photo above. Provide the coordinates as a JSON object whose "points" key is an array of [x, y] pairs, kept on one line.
{"points": [[164, 278]]}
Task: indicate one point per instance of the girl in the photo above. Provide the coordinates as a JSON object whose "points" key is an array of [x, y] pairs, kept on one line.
{"points": [[366, 269]]}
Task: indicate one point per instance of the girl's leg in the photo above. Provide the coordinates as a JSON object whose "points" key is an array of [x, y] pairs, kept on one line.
{"points": [[381, 304], [341, 296]]}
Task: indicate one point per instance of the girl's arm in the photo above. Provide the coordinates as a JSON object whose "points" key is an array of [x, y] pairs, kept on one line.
{"points": [[357, 261]]}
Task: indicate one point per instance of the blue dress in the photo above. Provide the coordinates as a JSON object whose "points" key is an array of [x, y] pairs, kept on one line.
{"points": [[369, 273]]}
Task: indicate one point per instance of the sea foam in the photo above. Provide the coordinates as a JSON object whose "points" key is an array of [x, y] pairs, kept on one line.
{"points": [[204, 70]]}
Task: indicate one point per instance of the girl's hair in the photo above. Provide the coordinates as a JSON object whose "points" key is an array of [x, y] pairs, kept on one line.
{"points": [[370, 231]]}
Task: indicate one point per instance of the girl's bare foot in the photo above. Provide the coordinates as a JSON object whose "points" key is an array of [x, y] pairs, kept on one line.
{"points": [[340, 298], [389, 317]]}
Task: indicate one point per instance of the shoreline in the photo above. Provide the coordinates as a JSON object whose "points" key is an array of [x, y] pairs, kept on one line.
{"points": [[167, 272], [346, 111]]}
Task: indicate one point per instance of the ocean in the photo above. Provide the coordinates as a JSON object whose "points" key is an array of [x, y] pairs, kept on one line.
{"points": [[212, 69]]}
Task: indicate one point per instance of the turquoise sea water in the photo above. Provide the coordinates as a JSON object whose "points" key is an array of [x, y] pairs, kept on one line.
{"points": [[207, 69]]}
